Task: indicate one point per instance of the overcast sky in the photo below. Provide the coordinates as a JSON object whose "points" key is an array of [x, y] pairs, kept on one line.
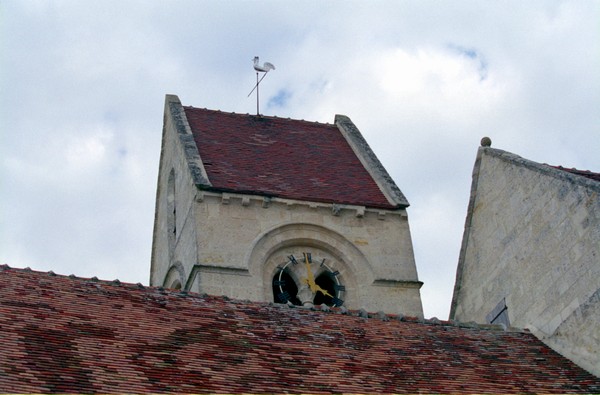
{"points": [[82, 88]]}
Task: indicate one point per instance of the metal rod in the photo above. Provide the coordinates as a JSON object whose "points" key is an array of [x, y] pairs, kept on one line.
{"points": [[263, 77], [256, 87]]}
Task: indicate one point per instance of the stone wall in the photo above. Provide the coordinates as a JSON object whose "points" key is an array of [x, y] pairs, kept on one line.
{"points": [[250, 239], [532, 239], [173, 161]]}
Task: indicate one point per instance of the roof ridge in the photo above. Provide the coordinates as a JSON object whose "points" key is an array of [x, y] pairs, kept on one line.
{"points": [[51, 273], [585, 173], [258, 116], [315, 308], [544, 168]]}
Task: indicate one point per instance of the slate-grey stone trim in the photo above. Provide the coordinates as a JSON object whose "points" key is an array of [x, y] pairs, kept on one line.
{"points": [[187, 141], [370, 160]]}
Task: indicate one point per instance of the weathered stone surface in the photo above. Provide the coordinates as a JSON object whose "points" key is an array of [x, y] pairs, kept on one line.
{"points": [[532, 236]]}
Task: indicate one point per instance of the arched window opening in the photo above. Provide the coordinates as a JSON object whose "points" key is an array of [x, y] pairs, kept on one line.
{"points": [[171, 212], [325, 281], [285, 289], [176, 285]]}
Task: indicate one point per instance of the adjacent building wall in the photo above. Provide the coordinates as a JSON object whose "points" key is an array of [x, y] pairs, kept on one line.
{"points": [[531, 247]]}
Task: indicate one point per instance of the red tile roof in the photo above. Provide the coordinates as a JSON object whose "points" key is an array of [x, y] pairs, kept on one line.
{"points": [[281, 158], [584, 173], [63, 334]]}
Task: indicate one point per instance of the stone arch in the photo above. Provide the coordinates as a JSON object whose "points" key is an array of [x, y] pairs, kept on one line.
{"points": [[175, 277], [262, 259]]}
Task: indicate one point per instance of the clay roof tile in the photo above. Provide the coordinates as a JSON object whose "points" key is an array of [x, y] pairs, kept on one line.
{"points": [[279, 157], [63, 334]]}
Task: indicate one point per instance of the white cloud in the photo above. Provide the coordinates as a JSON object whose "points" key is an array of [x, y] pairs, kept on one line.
{"points": [[86, 151]]}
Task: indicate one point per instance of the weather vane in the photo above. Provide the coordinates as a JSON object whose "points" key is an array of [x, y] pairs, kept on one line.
{"points": [[265, 68]]}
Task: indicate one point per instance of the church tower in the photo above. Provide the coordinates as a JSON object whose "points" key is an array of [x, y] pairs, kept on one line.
{"points": [[279, 210]]}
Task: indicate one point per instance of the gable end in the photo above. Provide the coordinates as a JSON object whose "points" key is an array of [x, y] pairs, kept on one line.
{"points": [[186, 138], [370, 161]]}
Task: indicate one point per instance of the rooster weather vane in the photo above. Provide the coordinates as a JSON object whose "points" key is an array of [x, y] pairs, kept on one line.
{"points": [[265, 68]]}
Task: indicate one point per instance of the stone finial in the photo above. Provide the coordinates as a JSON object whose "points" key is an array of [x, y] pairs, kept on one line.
{"points": [[486, 142]]}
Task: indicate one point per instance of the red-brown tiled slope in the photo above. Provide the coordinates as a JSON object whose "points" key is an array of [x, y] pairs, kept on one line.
{"points": [[281, 158], [585, 173], [61, 334]]}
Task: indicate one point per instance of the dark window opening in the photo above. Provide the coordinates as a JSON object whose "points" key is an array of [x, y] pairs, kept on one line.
{"points": [[325, 281], [171, 213], [285, 289]]}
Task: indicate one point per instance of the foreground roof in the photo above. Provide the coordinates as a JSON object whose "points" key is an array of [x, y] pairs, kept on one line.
{"points": [[66, 334], [289, 158]]}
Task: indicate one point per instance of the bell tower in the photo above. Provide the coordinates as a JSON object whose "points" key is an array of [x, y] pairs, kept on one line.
{"points": [[279, 210]]}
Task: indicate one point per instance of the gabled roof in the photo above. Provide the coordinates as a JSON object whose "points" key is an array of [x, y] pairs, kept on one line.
{"points": [[288, 158], [66, 334]]}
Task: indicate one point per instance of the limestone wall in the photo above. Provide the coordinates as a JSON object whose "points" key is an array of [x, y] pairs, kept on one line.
{"points": [[249, 238], [532, 237], [241, 240], [174, 220]]}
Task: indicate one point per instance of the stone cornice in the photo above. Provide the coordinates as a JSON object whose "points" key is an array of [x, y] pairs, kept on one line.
{"points": [[268, 202]]}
